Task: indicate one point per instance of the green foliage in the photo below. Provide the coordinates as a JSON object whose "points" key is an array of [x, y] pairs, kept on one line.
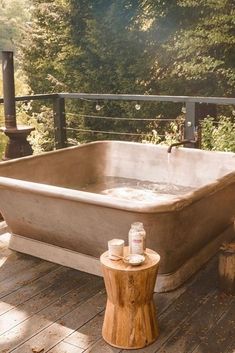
{"points": [[45, 47], [150, 47], [216, 134], [152, 137], [42, 137], [91, 46], [219, 134], [2, 145], [173, 133], [114, 50], [203, 53], [14, 16], [14, 22]]}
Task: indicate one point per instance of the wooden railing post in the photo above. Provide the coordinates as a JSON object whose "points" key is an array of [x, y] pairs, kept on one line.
{"points": [[59, 122]]}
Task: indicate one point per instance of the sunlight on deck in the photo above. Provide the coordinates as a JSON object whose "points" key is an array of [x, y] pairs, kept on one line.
{"points": [[3, 260]]}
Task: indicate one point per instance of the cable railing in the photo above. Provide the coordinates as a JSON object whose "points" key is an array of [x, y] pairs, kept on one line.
{"points": [[118, 118], [108, 132], [195, 109]]}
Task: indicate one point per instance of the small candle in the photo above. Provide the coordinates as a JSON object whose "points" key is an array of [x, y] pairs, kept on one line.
{"points": [[116, 248]]}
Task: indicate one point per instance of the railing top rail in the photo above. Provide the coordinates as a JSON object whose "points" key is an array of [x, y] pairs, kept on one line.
{"points": [[128, 97], [142, 97], [33, 97]]}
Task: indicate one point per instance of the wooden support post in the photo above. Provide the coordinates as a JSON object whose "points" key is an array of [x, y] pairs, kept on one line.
{"points": [[227, 268], [59, 122]]}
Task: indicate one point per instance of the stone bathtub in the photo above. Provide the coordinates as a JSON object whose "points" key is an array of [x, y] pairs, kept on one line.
{"points": [[65, 205]]}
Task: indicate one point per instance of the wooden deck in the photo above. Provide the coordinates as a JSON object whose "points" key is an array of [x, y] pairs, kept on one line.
{"points": [[45, 307]]}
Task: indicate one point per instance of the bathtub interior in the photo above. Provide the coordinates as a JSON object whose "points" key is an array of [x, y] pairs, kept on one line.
{"points": [[183, 166], [72, 167], [124, 170]]}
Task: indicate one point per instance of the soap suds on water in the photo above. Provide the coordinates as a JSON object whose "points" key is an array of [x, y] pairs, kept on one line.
{"points": [[137, 190]]}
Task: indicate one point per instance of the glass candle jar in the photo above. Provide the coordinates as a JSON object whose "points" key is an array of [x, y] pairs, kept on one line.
{"points": [[137, 238]]}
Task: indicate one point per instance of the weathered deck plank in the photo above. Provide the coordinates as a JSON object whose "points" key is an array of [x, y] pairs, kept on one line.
{"points": [[46, 317], [16, 269], [54, 309], [37, 303], [87, 335], [59, 330], [196, 327], [40, 279], [25, 277], [220, 338], [15, 264], [102, 347], [63, 347]]}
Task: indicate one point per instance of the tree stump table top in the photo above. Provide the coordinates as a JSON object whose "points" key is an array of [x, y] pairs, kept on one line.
{"points": [[151, 259], [130, 320]]}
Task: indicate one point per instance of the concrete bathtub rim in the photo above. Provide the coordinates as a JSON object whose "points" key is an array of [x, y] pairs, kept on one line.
{"points": [[86, 263], [174, 204]]}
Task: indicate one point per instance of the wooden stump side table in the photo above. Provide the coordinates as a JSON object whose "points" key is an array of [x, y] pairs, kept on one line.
{"points": [[130, 317]]}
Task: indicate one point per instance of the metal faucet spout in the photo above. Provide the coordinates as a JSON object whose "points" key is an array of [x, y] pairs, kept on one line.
{"points": [[183, 142]]}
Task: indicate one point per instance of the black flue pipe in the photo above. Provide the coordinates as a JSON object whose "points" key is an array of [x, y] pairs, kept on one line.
{"points": [[9, 89], [18, 145]]}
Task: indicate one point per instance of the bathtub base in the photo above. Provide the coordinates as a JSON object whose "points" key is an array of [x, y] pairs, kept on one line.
{"points": [[89, 264]]}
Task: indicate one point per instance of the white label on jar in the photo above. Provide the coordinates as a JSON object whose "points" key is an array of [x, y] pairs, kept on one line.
{"points": [[137, 246]]}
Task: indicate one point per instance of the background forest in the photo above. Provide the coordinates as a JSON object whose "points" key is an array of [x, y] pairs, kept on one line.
{"points": [[182, 47]]}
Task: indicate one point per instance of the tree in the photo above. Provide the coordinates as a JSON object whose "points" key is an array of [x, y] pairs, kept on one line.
{"points": [[14, 14], [91, 46], [203, 53], [130, 46], [45, 46]]}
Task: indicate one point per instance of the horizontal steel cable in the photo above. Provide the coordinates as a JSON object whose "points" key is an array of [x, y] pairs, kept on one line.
{"points": [[116, 118], [108, 132]]}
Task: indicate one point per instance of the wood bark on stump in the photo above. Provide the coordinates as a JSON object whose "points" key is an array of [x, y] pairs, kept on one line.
{"points": [[130, 320], [227, 268]]}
